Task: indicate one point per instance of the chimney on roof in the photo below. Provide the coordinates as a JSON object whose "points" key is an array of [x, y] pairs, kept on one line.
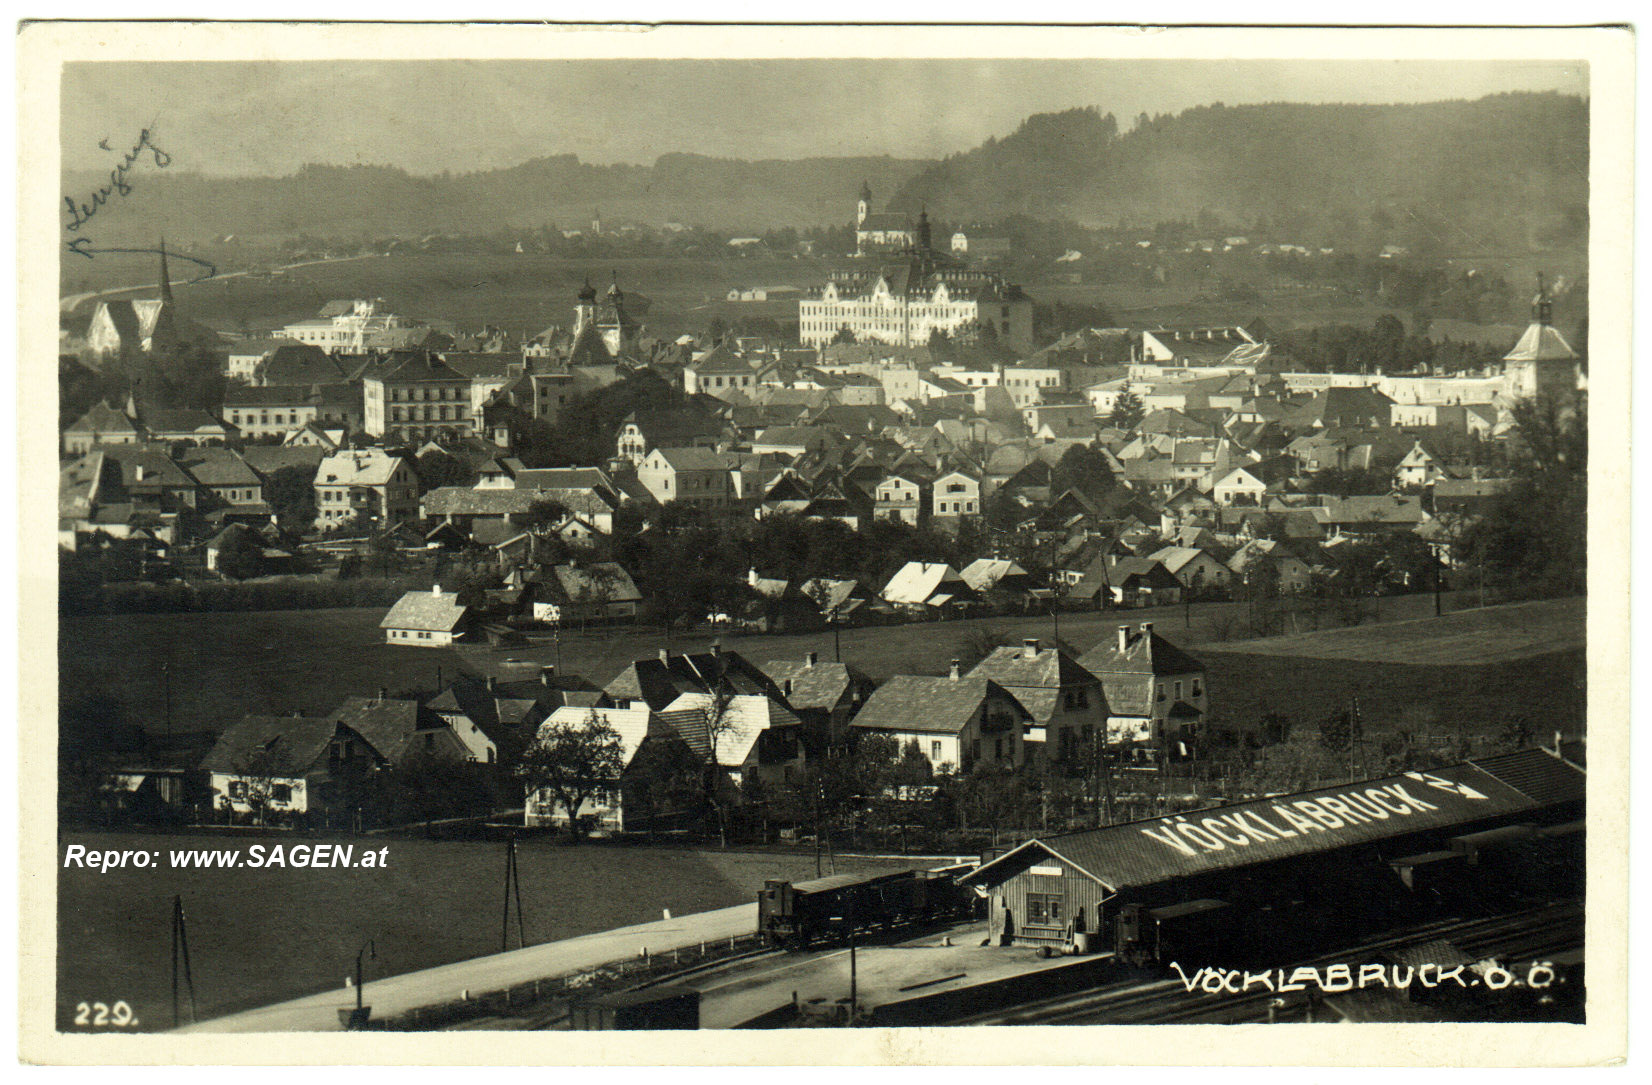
{"points": [[435, 589], [493, 682], [811, 659], [384, 694], [786, 687], [717, 647], [665, 655], [1146, 629], [547, 673], [953, 673], [1124, 638], [1029, 648]]}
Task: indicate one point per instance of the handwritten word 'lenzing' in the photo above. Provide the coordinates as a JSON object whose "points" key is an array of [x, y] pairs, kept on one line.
{"points": [[82, 212]]}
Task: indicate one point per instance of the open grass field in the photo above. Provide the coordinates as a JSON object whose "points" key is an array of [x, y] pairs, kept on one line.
{"points": [[521, 292], [222, 666], [259, 936], [1504, 634], [526, 292]]}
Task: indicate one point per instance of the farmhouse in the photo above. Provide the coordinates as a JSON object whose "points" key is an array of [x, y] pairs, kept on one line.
{"points": [[432, 619]]}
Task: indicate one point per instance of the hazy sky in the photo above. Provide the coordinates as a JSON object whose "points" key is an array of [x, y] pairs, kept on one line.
{"points": [[427, 116]]}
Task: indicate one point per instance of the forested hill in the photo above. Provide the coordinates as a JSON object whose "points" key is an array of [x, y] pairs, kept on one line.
{"points": [[562, 191], [1457, 176], [1506, 169]]}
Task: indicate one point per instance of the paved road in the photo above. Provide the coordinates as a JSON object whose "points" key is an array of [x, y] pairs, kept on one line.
{"points": [[395, 995]]}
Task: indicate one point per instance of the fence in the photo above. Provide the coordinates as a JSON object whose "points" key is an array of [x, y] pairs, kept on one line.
{"points": [[541, 995]]}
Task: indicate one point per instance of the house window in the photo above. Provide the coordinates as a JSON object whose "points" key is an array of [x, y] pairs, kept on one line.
{"points": [[1044, 909], [237, 789], [282, 793], [935, 752], [1196, 687], [1178, 691], [1161, 693]]}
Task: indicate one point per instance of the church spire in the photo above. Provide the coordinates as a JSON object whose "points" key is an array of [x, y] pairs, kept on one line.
{"points": [[166, 279], [1542, 304]]}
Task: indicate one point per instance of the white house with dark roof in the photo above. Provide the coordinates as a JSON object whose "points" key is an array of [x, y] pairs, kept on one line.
{"points": [[1156, 693], [1063, 700], [365, 480], [432, 619], [956, 721], [696, 476], [928, 587], [604, 808]]}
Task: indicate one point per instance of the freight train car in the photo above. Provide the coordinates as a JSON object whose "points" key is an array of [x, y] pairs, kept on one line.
{"points": [[796, 914], [1188, 933]]}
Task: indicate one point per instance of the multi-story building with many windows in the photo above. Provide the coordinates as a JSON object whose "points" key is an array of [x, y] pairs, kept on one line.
{"points": [[414, 396]]}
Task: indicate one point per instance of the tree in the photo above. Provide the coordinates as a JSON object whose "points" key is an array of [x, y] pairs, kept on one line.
{"points": [[240, 553], [428, 787], [290, 491], [1127, 412], [573, 762], [1084, 469], [663, 779], [437, 469], [844, 334], [1533, 539]]}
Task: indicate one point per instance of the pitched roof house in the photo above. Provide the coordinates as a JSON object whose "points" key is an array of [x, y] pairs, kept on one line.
{"points": [[431, 619], [956, 721], [1155, 692]]}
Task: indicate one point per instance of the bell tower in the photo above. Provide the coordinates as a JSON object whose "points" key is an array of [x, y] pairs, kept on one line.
{"points": [[864, 207]]}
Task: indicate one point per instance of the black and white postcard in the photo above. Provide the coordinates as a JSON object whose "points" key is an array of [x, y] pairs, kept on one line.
{"points": [[822, 544]]}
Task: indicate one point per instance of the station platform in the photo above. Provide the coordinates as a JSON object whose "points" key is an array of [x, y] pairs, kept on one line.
{"points": [[392, 996]]}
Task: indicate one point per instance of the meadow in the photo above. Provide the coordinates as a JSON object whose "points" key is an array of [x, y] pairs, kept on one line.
{"points": [[221, 666], [527, 292], [261, 936]]}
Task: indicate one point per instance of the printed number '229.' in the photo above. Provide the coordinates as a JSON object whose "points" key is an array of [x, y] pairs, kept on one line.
{"points": [[103, 1015]]}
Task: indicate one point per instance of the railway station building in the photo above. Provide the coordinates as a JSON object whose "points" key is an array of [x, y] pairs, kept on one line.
{"points": [[1329, 852]]}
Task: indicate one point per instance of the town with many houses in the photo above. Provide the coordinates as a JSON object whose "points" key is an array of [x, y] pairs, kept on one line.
{"points": [[1125, 469]]}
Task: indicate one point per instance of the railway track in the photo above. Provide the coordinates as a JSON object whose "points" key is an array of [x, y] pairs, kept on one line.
{"points": [[1524, 935]]}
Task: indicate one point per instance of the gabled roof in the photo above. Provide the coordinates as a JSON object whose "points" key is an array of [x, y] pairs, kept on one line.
{"points": [[740, 718], [1151, 851], [661, 681], [983, 574], [1145, 653], [103, 419], [918, 582], [631, 724], [929, 705], [388, 725], [357, 467], [416, 365], [1035, 677], [283, 746], [604, 581], [696, 459], [218, 467], [813, 684], [428, 610], [488, 501]]}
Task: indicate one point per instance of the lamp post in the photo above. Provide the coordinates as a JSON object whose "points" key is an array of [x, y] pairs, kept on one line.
{"points": [[370, 950]]}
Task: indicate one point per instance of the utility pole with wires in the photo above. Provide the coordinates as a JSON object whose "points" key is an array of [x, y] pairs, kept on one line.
{"points": [[180, 954], [513, 886]]}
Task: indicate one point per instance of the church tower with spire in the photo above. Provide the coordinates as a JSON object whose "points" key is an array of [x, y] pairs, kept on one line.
{"points": [[1542, 364], [864, 207]]}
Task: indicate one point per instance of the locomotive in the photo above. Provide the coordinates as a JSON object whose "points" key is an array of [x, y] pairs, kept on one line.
{"points": [[794, 914]]}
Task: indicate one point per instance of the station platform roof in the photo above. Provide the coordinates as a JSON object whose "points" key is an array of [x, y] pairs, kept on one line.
{"points": [[1236, 835]]}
